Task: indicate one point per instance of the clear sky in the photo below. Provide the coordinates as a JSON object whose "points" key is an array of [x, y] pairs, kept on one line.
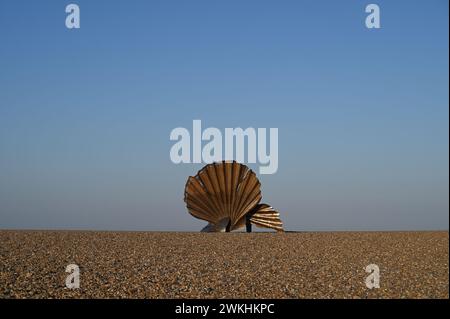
{"points": [[85, 115]]}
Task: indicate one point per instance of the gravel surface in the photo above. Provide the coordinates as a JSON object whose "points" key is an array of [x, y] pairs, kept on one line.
{"points": [[223, 265]]}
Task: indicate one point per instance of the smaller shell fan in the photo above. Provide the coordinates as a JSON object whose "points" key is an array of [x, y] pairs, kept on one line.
{"points": [[264, 215], [227, 194]]}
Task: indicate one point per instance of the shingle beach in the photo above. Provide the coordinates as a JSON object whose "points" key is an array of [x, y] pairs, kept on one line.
{"points": [[223, 265]]}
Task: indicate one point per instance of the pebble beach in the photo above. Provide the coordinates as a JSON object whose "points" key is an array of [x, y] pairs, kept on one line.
{"points": [[223, 265]]}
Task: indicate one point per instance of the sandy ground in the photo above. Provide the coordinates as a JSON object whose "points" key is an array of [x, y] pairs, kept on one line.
{"points": [[231, 265]]}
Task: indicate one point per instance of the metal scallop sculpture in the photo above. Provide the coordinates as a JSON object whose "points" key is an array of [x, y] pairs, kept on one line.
{"points": [[227, 196]]}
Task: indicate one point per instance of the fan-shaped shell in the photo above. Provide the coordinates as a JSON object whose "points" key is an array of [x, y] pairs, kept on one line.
{"points": [[264, 215], [224, 194]]}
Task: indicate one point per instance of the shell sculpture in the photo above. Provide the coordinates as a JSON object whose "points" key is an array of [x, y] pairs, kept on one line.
{"points": [[227, 195]]}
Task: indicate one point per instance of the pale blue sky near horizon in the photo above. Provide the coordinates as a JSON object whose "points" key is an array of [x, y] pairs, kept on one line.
{"points": [[85, 115]]}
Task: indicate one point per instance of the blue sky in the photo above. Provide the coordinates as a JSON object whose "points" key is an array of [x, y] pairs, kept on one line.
{"points": [[85, 115]]}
